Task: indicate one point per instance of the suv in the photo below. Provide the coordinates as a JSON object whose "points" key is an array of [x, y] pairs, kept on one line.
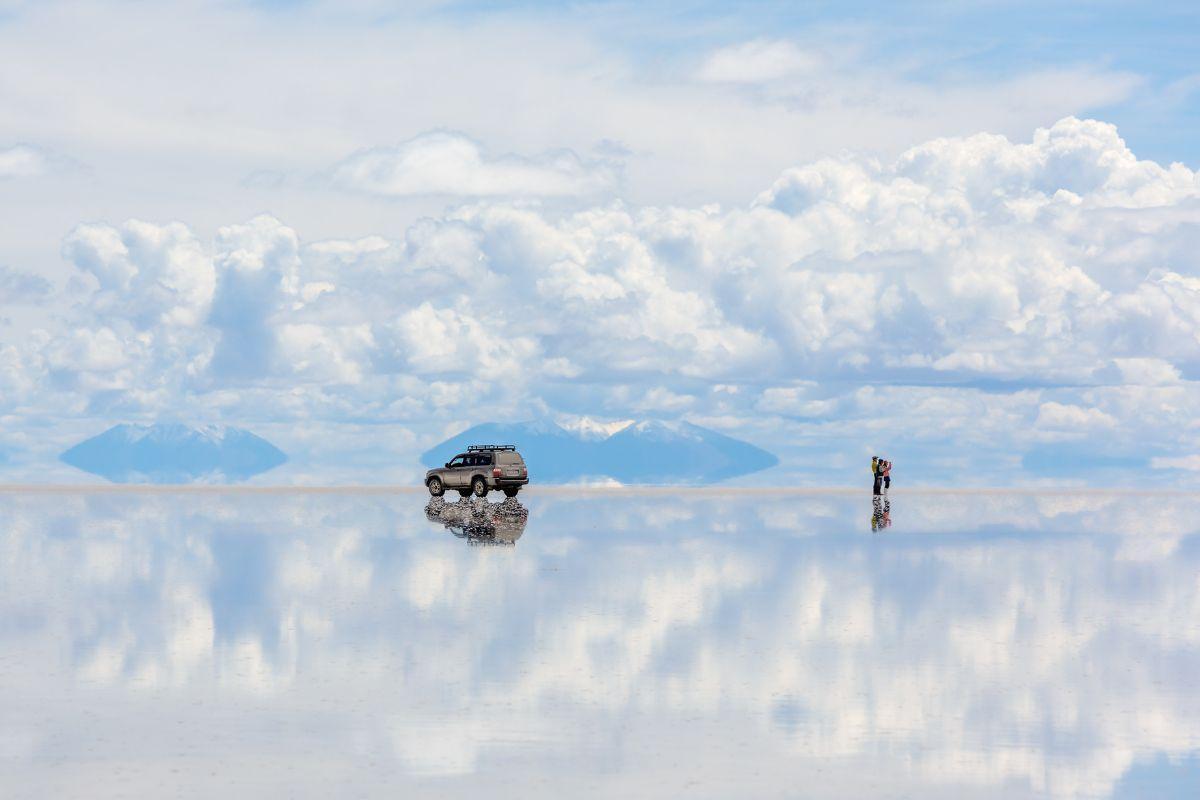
{"points": [[481, 469]]}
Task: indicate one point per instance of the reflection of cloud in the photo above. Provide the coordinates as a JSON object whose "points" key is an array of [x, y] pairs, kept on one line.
{"points": [[998, 642]]}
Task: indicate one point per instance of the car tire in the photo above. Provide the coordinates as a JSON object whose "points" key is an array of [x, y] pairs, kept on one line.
{"points": [[436, 489], [479, 486], [511, 492]]}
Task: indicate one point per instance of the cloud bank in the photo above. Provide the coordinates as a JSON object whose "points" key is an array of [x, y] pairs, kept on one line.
{"points": [[973, 295]]}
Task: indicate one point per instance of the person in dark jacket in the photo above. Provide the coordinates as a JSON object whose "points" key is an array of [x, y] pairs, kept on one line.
{"points": [[877, 471]]}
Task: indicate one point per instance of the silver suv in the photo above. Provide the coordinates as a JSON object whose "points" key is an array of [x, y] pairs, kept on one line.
{"points": [[481, 469]]}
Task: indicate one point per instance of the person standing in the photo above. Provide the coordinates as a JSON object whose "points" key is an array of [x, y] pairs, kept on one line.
{"points": [[877, 471], [887, 476]]}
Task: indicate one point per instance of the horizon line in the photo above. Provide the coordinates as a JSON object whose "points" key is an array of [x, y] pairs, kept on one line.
{"points": [[208, 488]]}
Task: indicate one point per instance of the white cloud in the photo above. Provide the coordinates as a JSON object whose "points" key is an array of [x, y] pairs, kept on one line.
{"points": [[448, 163], [1060, 272], [330, 82], [1190, 463], [324, 354], [21, 161], [1147, 371], [92, 360], [146, 273], [258, 269], [660, 399], [1069, 417], [795, 400], [757, 62]]}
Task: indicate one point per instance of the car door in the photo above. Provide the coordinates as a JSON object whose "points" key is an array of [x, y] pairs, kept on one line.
{"points": [[456, 472], [483, 465], [469, 468]]}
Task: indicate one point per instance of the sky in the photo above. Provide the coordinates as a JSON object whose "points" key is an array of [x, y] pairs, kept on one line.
{"points": [[965, 239]]}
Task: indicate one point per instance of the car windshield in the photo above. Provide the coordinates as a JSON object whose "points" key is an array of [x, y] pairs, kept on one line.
{"points": [[457, 461]]}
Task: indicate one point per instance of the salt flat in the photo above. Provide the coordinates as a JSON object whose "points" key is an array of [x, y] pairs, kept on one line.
{"points": [[611, 644]]}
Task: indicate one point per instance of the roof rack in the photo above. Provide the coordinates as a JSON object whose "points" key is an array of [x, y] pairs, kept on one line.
{"points": [[477, 447]]}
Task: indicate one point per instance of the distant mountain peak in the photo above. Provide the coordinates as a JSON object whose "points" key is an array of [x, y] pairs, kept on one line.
{"points": [[169, 431], [172, 452], [593, 429], [631, 451]]}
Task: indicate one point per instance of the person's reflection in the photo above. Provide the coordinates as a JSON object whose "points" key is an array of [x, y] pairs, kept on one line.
{"points": [[881, 515], [480, 522]]}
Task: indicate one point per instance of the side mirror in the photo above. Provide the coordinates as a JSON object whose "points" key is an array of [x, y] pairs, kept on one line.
{"points": [[447, 464]]}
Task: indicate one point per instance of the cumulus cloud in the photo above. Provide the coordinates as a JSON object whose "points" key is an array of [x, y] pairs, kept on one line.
{"points": [[1002, 294], [446, 341], [145, 273], [450, 163], [258, 264]]}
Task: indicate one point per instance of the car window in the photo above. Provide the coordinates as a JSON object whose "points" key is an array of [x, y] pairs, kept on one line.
{"points": [[457, 461]]}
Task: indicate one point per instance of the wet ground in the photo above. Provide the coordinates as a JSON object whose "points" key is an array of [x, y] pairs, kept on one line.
{"points": [[602, 644]]}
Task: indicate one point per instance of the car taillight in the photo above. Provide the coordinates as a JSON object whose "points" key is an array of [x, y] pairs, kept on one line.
{"points": [[496, 472]]}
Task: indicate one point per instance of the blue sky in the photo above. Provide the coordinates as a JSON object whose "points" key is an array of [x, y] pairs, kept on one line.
{"points": [[965, 238], [941, 42]]}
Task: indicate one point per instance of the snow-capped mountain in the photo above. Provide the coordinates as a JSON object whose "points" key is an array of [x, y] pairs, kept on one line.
{"points": [[174, 453], [592, 429], [649, 451]]}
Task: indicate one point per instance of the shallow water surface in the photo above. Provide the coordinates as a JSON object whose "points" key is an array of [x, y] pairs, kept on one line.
{"points": [[608, 644]]}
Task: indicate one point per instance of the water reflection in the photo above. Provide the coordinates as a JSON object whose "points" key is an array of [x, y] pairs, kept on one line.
{"points": [[881, 513], [480, 522], [634, 645]]}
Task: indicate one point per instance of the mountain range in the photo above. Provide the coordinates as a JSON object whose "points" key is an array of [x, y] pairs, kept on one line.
{"points": [[174, 453], [650, 451]]}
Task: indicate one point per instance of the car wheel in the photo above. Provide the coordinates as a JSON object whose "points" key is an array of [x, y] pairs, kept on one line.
{"points": [[511, 492], [435, 487], [479, 486]]}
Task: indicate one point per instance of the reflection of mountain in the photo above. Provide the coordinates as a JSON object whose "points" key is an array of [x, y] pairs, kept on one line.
{"points": [[642, 452], [173, 453]]}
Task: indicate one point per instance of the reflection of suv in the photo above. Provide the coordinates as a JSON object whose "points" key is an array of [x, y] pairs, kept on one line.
{"points": [[480, 523], [481, 469]]}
